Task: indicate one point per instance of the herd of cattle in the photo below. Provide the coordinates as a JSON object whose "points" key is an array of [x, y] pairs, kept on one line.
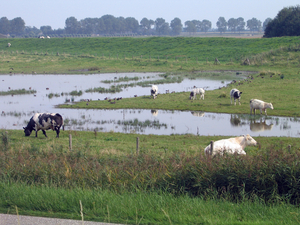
{"points": [[231, 145], [54, 121]]}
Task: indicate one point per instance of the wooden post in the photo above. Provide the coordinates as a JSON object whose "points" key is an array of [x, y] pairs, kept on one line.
{"points": [[289, 148], [211, 147], [137, 145], [70, 142]]}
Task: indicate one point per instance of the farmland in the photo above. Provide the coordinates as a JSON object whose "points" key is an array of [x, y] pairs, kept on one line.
{"points": [[170, 180]]}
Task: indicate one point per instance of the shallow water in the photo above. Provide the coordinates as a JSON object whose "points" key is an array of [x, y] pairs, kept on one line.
{"points": [[17, 110]]}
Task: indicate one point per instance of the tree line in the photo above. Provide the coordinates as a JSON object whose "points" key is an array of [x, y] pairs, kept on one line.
{"points": [[110, 25], [286, 23]]}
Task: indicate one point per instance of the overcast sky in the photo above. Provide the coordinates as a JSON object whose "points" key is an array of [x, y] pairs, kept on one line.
{"points": [[55, 12]]}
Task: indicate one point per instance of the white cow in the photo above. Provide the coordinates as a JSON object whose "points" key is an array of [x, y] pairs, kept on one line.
{"points": [[231, 145], [8, 44], [197, 91], [235, 94], [154, 91], [261, 105]]}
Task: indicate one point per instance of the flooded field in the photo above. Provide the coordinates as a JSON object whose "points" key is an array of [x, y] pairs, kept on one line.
{"points": [[51, 90]]}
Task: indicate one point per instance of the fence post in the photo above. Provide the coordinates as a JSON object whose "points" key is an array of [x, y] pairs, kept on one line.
{"points": [[137, 145], [70, 142]]}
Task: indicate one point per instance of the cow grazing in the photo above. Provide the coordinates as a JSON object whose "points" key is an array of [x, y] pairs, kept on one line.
{"points": [[235, 94], [261, 105], [154, 91], [8, 44], [44, 121], [231, 145], [197, 91]]}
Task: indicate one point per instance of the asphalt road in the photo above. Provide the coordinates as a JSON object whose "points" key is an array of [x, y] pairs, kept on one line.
{"points": [[7, 219]]}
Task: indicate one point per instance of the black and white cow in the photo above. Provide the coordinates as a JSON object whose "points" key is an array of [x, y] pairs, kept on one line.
{"points": [[235, 94], [44, 121], [154, 91]]}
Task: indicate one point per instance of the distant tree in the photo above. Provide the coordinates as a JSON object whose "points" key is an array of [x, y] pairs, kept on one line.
{"points": [[190, 27], [265, 23], [206, 25], [232, 24], [31, 31], [161, 27], [47, 30], [146, 25], [109, 22], [132, 24], [99, 26], [119, 25], [72, 26], [176, 26], [254, 24], [88, 26], [240, 24], [222, 24], [165, 29], [198, 24], [4, 25], [286, 23], [17, 26]]}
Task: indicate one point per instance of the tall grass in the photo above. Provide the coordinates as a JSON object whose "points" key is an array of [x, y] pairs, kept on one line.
{"points": [[272, 174], [139, 207]]}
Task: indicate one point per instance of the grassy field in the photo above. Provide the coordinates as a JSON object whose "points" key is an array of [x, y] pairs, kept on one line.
{"points": [[91, 55], [170, 181], [262, 86]]}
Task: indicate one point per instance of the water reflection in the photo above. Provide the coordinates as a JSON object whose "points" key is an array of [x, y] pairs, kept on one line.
{"points": [[154, 112], [198, 113], [165, 122], [260, 126]]}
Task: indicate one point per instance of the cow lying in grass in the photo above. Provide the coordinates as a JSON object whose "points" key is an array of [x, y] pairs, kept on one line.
{"points": [[197, 91], [230, 145], [261, 105], [44, 121]]}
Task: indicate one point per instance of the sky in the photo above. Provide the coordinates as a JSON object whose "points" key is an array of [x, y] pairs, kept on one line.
{"points": [[55, 12]]}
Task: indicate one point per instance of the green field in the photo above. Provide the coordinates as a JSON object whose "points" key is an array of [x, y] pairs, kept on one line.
{"points": [[170, 180]]}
